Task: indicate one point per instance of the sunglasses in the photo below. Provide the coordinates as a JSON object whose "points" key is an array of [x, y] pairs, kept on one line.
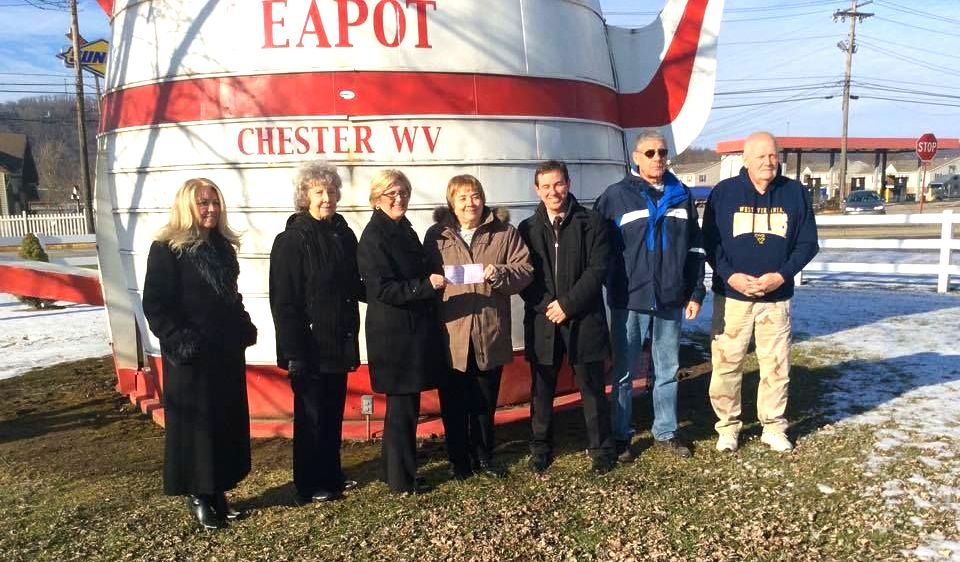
{"points": [[661, 151]]}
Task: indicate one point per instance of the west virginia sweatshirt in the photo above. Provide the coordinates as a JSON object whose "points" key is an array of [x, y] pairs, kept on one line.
{"points": [[748, 232]]}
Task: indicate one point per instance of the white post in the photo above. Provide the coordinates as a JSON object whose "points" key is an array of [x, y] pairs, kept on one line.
{"points": [[26, 224], [946, 236]]}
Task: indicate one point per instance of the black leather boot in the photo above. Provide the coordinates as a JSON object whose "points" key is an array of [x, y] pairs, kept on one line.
{"points": [[201, 509], [224, 509]]}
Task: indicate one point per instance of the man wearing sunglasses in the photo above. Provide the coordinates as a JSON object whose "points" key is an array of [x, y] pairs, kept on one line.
{"points": [[655, 279]]}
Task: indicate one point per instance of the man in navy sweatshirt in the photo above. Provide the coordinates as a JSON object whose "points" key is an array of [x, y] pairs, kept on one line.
{"points": [[655, 280], [759, 232]]}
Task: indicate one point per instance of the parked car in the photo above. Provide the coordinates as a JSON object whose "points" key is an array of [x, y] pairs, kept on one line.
{"points": [[700, 194], [864, 203], [948, 187], [934, 192]]}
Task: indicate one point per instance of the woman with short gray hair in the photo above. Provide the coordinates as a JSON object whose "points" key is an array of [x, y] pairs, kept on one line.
{"points": [[314, 290]]}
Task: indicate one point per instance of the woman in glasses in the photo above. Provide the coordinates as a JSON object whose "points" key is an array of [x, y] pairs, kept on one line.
{"points": [[476, 314], [191, 303], [314, 289], [403, 331]]}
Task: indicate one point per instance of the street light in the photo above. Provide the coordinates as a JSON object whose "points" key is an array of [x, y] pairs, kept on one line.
{"points": [[76, 197]]}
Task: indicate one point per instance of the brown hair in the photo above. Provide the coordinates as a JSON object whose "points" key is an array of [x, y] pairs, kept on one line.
{"points": [[464, 180], [551, 166]]}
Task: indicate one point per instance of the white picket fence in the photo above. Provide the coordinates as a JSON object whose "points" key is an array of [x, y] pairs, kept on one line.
{"points": [[55, 224], [945, 244]]}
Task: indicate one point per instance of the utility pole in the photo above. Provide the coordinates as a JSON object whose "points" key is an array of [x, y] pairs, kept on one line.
{"points": [[850, 47], [81, 121]]}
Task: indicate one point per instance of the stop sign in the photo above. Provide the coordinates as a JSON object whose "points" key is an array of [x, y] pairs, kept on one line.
{"points": [[926, 147]]}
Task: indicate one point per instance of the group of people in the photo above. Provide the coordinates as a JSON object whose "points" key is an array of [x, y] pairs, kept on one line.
{"points": [[439, 317]]}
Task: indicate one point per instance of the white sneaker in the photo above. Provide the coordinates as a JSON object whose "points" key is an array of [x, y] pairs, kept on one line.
{"points": [[776, 441], [727, 443]]}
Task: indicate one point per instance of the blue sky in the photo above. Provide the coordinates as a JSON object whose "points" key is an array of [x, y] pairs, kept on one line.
{"points": [[789, 45]]}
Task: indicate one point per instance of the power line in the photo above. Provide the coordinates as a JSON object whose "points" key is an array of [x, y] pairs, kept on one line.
{"points": [[776, 17], [778, 7], [772, 40], [917, 12], [885, 88], [908, 100], [907, 46], [772, 102], [777, 89], [912, 60], [778, 78], [931, 30]]}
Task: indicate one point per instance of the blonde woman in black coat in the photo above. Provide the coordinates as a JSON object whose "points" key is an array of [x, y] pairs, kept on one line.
{"points": [[314, 290], [191, 303], [404, 338]]}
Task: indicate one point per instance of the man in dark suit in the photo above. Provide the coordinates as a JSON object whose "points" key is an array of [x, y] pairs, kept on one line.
{"points": [[564, 313]]}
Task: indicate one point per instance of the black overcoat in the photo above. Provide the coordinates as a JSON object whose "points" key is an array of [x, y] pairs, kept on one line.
{"points": [[314, 289], [584, 252], [191, 303], [405, 345]]}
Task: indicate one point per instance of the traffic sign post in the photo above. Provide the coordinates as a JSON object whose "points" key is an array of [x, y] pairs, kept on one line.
{"points": [[926, 151]]}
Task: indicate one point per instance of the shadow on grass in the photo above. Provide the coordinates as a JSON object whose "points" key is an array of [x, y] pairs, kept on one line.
{"points": [[36, 422]]}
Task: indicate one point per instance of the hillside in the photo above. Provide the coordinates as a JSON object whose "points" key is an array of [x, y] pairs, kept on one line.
{"points": [[51, 128]]}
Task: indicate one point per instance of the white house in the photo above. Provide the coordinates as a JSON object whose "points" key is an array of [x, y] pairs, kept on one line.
{"points": [[699, 173]]}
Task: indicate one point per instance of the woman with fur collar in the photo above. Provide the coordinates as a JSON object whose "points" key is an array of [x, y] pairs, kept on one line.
{"points": [[314, 292], [191, 303], [476, 318]]}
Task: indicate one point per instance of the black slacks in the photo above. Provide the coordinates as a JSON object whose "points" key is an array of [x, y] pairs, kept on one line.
{"points": [[399, 452], [467, 405], [318, 400], [596, 410]]}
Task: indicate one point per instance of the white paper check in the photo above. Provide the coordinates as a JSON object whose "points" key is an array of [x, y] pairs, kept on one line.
{"points": [[463, 274]]}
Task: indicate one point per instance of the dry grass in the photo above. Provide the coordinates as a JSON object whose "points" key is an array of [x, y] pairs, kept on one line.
{"points": [[80, 480]]}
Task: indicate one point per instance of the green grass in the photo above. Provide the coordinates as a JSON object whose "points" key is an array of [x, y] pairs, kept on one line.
{"points": [[80, 480]]}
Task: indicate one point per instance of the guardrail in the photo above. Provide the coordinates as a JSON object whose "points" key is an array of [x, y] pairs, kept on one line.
{"points": [[945, 244], [56, 224]]}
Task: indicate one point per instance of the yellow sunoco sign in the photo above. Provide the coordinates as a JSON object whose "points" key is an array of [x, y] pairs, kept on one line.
{"points": [[93, 56]]}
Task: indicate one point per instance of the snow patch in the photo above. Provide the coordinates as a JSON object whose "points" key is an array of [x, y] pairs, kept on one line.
{"points": [[39, 338]]}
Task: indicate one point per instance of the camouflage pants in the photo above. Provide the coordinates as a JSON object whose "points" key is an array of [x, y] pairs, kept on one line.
{"points": [[733, 324]]}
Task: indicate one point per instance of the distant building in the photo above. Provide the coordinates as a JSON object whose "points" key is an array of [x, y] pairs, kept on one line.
{"points": [[700, 173], [18, 174], [894, 170], [906, 173]]}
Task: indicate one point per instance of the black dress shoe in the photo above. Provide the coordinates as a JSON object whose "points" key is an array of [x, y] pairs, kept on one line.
{"points": [[349, 484], [539, 462], [676, 446], [459, 472], [491, 469], [325, 495], [419, 487], [201, 509], [224, 509], [625, 453], [602, 465]]}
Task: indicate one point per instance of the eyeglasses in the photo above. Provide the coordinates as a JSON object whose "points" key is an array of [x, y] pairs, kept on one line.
{"points": [[661, 151], [393, 195]]}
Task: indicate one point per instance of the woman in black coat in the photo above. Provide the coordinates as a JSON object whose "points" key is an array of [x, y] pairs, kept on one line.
{"points": [[404, 338], [191, 303], [314, 289]]}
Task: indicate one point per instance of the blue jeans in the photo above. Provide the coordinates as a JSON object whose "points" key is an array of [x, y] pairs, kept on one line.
{"points": [[630, 329]]}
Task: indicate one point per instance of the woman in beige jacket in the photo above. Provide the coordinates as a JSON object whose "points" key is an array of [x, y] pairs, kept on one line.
{"points": [[476, 317]]}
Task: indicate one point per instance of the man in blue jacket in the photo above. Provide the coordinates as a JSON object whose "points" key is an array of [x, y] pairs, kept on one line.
{"points": [[655, 279], [759, 232]]}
